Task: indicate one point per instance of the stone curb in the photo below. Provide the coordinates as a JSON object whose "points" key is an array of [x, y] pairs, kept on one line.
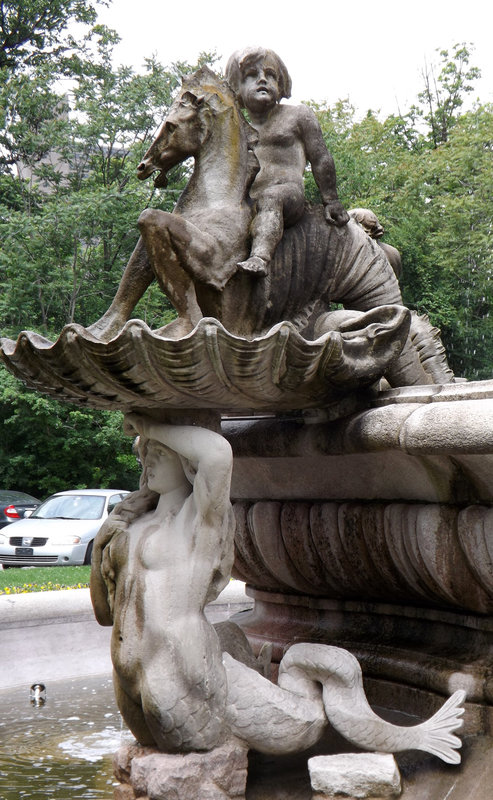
{"points": [[48, 636]]}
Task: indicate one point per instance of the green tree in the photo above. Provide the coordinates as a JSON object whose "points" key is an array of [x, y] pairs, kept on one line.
{"points": [[49, 446], [458, 176], [443, 94], [35, 31]]}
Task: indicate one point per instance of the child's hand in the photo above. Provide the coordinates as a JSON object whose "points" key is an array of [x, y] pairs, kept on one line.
{"points": [[336, 214]]}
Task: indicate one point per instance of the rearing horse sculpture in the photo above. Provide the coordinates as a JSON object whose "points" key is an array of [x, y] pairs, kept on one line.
{"points": [[193, 252]]}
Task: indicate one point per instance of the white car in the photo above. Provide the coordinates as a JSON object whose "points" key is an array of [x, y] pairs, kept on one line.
{"points": [[60, 531]]}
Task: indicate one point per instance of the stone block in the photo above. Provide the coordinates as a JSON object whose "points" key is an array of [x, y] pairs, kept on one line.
{"points": [[122, 759], [354, 775], [218, 774], [125, 792]]}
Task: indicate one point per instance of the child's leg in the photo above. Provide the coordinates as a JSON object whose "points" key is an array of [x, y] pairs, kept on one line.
{"points": [[280, 203], [267, 230]]}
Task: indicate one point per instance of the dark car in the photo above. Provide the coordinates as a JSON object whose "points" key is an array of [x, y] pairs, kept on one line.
{"points": [[13, 505]]}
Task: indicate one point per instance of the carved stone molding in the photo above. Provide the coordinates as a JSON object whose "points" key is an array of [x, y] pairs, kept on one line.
{"points": [[420, 554], [210, 367]]}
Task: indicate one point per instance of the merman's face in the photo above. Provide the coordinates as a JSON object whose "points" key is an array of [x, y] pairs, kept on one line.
{"points": [[259, 88], [164, 471]]}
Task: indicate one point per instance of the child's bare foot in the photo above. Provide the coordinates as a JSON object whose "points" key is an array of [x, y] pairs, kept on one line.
{"points": [[254, 264]]}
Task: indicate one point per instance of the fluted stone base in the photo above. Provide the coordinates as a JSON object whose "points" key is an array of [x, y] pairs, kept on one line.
{"points": [[375, 533]]}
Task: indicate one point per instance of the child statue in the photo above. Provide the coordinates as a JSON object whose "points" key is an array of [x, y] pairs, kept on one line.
{"points": [[289, 137]]}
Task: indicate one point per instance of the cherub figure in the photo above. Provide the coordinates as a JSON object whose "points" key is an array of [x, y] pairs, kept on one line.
{"points": [[371, 225], [289, 137]]}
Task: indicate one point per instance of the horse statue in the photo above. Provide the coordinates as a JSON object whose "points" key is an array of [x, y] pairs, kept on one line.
{"points": [[194, 251]]}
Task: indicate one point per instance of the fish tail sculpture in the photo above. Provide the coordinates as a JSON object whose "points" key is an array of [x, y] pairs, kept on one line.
{"points": [[320, 684], [435, 735]]}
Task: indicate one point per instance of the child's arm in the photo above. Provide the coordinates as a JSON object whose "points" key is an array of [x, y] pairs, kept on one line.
{"points": [[323, 166]]}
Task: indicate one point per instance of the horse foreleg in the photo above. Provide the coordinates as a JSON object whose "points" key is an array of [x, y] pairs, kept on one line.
{"points": [[137, 277], [180, 254], [200, 254]]}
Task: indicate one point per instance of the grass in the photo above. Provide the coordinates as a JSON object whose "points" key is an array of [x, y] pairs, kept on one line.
{"points": [[22, 580]]}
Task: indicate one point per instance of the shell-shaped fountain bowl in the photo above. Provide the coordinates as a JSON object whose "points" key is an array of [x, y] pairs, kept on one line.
{"points": [[209, 368]]}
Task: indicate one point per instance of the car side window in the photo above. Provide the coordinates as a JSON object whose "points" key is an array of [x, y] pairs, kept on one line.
{"points": [[113, 501]]}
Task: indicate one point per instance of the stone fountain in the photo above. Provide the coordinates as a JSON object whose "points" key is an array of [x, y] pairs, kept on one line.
{"points": [[327, 458]]}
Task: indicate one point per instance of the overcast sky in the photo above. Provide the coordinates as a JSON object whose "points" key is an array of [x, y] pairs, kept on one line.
{"points": [[371, 52]]}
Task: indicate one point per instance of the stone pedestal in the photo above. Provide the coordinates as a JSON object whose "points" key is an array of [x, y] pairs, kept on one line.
{"points": [[354, 776], [374, 532], [146, 773]]}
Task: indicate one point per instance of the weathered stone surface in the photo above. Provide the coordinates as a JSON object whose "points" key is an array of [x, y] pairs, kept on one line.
{"points": [[314, 260], [358, 775], [122, 760], [389, 552], [291, 717], [157, 561], [219, 774], [401, 448], [125, 792], [406, 586], [192, 693], [411, 657], [211, 368]]}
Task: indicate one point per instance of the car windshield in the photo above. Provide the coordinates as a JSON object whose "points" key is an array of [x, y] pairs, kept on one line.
{"points": [[16, 497], [74, 506]]}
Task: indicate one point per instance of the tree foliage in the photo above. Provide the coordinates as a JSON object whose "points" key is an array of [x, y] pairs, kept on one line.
{"points": [[443, 95], [35, 31], [69, 204], [49, 446]]}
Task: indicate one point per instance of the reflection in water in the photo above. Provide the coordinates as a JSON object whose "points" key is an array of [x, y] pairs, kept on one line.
{"points": [[61, 750]]}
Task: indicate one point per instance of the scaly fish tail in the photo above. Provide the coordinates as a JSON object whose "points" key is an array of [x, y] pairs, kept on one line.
{"points": [[437, 736]]}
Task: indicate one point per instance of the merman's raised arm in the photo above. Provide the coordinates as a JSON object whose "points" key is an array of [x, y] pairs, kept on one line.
{"points": [[208, 455]]}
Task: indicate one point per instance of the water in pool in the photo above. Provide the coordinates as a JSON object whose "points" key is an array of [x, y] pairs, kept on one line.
{"points": [[61, 750]]}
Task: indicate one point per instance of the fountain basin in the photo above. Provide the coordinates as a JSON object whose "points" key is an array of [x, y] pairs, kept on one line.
{"points": [[50, 636]]}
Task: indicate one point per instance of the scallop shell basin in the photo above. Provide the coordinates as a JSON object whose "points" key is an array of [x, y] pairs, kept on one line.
{"points": [[209, 368]]}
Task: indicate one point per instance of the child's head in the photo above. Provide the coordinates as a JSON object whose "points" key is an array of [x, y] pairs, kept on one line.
{"points": [[242, 60]]}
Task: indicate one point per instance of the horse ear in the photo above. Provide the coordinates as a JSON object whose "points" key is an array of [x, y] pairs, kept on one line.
{"points": [[193, 99]]}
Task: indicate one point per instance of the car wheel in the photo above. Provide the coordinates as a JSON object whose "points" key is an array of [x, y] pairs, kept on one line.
{"points": [[88, 558]]}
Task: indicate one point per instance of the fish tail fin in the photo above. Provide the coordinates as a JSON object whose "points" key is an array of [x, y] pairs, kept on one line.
{"points": [[437, 732]]}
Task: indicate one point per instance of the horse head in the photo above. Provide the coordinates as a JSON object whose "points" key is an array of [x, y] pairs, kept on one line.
{"points": [[180, 136], [204, 100]]}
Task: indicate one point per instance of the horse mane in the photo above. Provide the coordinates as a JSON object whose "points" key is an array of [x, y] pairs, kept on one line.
{"points": [[205, 82], [219, 95]]}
